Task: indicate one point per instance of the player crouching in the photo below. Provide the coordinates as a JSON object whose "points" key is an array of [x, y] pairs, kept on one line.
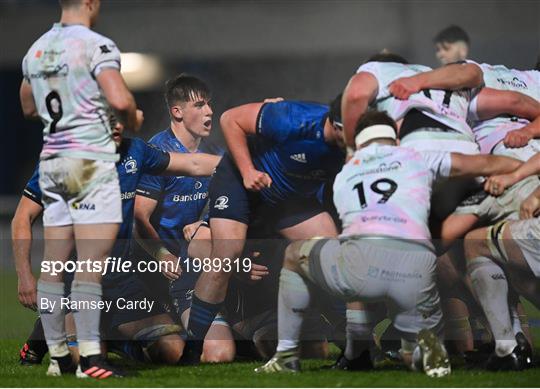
{"points": [[385, 252]]}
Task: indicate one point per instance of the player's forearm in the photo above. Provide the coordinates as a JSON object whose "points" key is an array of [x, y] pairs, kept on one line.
{"points": [[21, 242], [148, 238], [352, 111], [533, 128], [482, 165], [451, 77], [200, 164], [126, 112], [529, 168], [495, 164], [523, 106]]}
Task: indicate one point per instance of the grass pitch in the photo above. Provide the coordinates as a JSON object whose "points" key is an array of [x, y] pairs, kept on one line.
{"points": [[16, 322]]}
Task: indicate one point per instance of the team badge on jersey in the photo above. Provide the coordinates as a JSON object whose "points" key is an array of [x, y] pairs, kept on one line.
{"points": [[130, 165]]}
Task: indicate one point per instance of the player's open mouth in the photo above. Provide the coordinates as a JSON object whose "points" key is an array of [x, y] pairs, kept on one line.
{"points": [[208, 123]]}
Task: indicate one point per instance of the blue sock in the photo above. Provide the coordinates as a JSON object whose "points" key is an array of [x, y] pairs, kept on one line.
{"points": [[201, 316]]}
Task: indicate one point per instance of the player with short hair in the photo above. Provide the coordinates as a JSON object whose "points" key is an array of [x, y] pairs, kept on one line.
{"points": [[373, 195], [72, 82], [168, 210], [280, 155], [452, 44], [155, 330]]}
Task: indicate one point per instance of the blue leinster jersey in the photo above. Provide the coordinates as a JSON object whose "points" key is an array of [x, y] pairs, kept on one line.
{"points": [[136, 159], [181, 200], [290, 147]]}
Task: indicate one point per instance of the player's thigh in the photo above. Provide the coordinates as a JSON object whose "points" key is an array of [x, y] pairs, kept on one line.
{"points": [[454, 227], [228, 237], [58, 242], [130, 329], [95, 241], [521, 250], [480, 242], [413, 294], [320, 224], [201, 244]]}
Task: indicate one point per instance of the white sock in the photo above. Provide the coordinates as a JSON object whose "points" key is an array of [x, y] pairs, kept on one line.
{"points": [[491, 289], [293, 301], [87, 320], [49, 296]]}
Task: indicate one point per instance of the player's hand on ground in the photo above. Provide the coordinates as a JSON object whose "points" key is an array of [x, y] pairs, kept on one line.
{"points": [[27, 291], [530, 207], [273, 100], [403, 87], [170, 267], [496, 185], [190, 229], [139, 120], [517, 138], [255, 180]]}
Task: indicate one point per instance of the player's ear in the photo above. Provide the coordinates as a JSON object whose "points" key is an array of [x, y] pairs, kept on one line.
{"points": [[176, 112]]}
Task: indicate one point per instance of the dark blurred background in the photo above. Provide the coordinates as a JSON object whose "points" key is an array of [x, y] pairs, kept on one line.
{"points": [[249, 50]]}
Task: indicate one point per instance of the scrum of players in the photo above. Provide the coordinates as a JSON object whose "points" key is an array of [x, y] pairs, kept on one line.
{"points": [[412, 199]]}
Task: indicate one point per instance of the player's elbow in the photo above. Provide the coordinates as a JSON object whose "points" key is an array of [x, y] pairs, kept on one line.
{"points": [[354, 92], [475, 76], [29, 113], [123, 104], [226, 120]]}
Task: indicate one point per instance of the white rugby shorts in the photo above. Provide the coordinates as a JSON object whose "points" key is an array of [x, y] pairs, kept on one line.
{"points": [[79, 191]]}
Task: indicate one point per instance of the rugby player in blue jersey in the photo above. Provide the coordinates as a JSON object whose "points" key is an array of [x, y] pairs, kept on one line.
{"points": [[155, 330], [168, 209], [279, 156]]}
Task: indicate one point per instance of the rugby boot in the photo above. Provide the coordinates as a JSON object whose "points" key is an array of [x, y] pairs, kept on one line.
{"points": [[435, 360], [282, 362]]}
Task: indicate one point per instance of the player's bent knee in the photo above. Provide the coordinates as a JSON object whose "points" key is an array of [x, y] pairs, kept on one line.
{"points": [[218, 351], [292, 255], [167, 350]]}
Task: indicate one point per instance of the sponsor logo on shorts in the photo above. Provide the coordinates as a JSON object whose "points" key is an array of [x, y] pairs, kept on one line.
{"points": [[498, 276], [130, 165], [221, 203], [83, 206]]}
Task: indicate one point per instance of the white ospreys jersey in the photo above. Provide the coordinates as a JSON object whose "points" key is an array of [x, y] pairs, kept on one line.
{"points": [[447, 107], [62, 66], [489, 133], [386, 191]]}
